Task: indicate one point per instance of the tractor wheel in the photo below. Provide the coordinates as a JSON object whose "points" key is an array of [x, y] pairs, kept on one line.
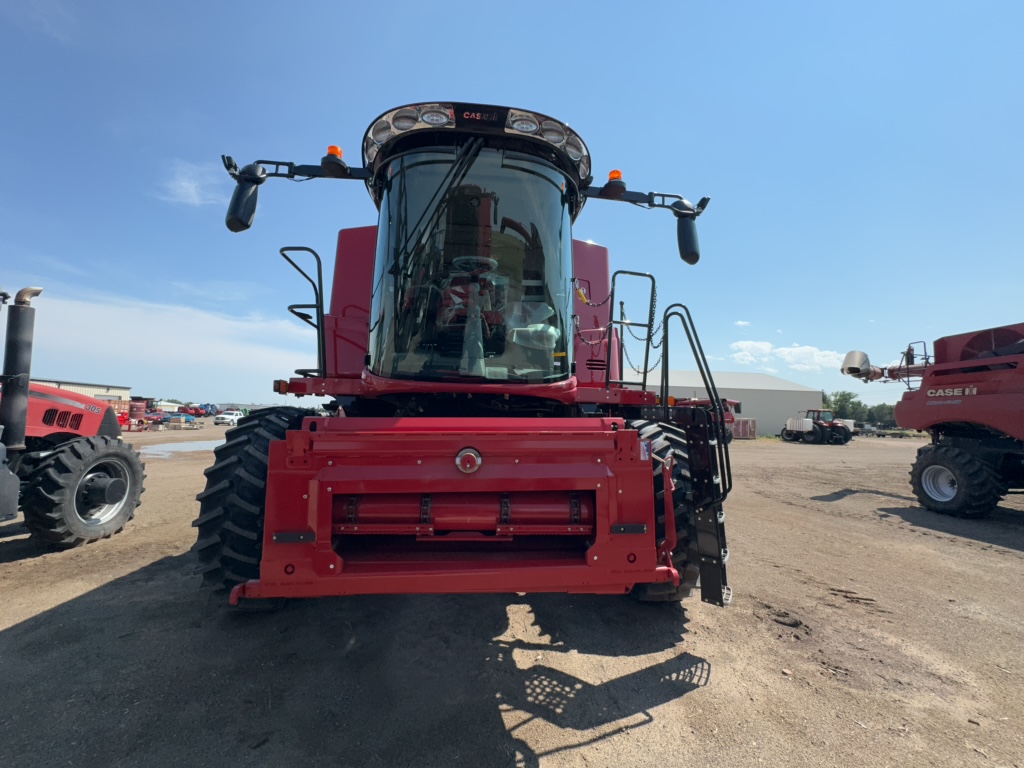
{"points": [[728, 436], [233, 505], [814, 436], [788, 435], [845, 435], [953, 481], [84, 490], [666, 440]]}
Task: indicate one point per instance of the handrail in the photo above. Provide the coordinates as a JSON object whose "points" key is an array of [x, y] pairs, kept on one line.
{"points": [[318, 306], [608, 380], [722, 453]]}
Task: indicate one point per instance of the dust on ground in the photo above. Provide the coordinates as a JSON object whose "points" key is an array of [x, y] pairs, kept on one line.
{"points": [[865, 631]]}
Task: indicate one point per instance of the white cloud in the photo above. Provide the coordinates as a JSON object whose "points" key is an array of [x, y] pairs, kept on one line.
{"points": [[804, 358], [194, 184], [751, 352], [165, 350], [742, 323], [797, 357]]}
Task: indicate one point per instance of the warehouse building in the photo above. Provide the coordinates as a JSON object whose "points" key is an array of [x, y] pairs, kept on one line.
{"points": [[768, 399]]}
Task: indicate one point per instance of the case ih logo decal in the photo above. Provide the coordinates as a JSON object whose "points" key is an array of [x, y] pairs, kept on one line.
{"points": [[957, 392]]}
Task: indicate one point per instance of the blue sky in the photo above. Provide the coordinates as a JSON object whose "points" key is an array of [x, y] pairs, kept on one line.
{"points": [[864, 163]]}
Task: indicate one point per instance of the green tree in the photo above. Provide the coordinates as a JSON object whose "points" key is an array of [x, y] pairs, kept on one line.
{"points": [[881, 415], [846, 405]]}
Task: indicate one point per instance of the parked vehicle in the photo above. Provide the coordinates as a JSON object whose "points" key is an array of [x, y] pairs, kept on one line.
{"points": [[818, 426], [62, 460], [228, 417], [970, 399], [482, 438]]}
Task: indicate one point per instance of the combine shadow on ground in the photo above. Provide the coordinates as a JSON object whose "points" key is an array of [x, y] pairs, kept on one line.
{"points": [[1004, 527], [846, 492], [145, 671]]}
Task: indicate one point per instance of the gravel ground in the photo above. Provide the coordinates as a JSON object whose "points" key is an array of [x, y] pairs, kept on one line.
{"points": [[865, 631]]}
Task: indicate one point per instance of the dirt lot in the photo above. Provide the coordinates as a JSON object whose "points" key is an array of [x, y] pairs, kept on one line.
{"points": [[865, 631]]}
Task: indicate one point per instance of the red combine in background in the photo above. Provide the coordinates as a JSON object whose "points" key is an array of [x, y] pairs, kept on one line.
{"points": [[481, 434], [970, 397]]}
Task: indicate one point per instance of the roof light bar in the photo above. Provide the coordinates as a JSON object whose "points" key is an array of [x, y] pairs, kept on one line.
{"points": [[399, 121], [450, 115], [553, 132]]}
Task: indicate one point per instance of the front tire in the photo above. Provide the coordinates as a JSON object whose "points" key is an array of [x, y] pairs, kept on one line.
{"points": [[232, 508], [814, 436], [952, 481], [668, 440], [83, 491]]}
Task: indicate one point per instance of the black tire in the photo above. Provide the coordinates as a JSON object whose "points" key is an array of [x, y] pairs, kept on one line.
{"points": [[667, 439], [814, 436], [788, 436], [728, 436], [233, 505], [85, 490], [952, 481], [845, 435]]}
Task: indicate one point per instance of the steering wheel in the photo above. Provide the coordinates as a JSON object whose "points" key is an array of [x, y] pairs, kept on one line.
{"points": [[474, 264]]}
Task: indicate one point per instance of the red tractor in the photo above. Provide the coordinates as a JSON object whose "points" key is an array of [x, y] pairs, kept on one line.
{"points": [[481, 436], [818, 426], [729, 407], [969, 397], [62, 461]]}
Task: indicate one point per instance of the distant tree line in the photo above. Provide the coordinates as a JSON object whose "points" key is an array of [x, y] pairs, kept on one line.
{"points": [[848, 406]]}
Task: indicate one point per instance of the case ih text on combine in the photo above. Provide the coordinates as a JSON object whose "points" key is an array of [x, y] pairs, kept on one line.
{"points": [[481, 436], [62, 460], [970, 399]]}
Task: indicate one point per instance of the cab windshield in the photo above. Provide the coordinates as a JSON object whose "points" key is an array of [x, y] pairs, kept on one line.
{"points": [[473, 268]]}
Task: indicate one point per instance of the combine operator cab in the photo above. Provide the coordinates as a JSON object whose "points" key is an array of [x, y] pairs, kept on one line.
{"points": [[482, 435]]}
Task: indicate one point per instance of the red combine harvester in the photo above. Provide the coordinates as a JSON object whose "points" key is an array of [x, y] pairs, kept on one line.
{"points": [[970, 398], [62, 460], [481, 436]]}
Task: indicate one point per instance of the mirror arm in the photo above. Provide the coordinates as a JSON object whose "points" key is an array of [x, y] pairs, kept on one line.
{"points": [[679, 205], [330, 168]]}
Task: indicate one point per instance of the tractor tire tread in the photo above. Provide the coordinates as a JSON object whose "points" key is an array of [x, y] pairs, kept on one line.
{"points": [[232, 508], [984, 487]]}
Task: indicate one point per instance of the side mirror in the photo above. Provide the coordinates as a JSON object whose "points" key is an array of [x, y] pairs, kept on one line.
{"points": [[686, 235], [242, 208]]}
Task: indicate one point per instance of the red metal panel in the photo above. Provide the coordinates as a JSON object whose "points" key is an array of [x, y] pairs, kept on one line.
{"points": [[391, 465], [593, 277], [347, 325]]}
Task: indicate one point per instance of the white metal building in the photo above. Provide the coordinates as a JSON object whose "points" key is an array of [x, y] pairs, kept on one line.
{"points": [[768, 399]]}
